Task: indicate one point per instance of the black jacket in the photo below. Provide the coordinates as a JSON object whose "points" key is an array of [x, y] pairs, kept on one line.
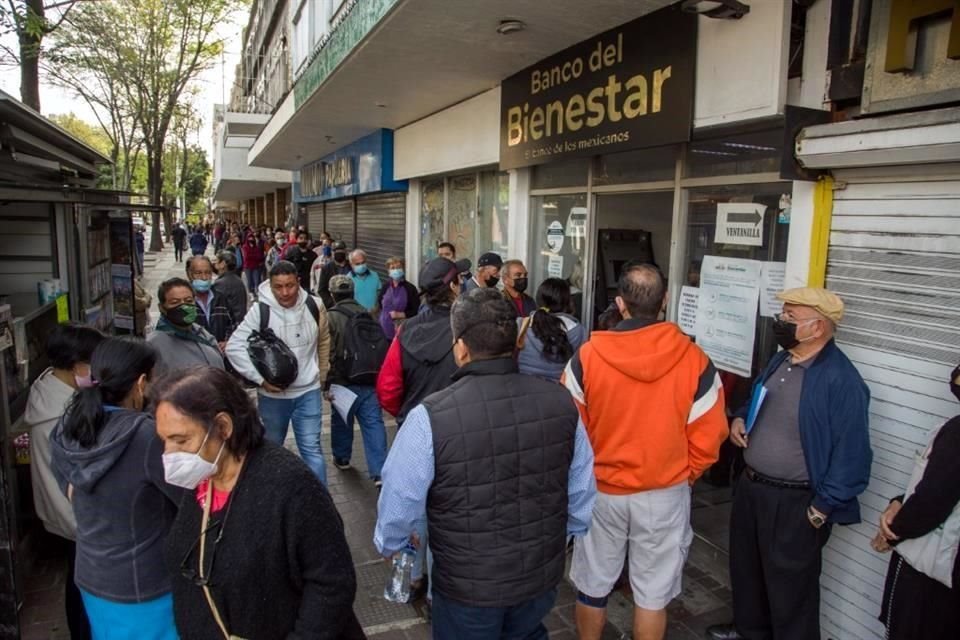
{"points": [[503, 445], [323, 282], [426, 353], [282, 569], [231, 291]]}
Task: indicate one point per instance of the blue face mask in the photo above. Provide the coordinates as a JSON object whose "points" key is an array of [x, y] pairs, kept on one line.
{"points": [[201, 286], [359, 269], [396, 274]]}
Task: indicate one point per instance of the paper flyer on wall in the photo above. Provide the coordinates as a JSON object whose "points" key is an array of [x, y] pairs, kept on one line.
{"points": [[772, 276], [727, 312], [687, 310]]}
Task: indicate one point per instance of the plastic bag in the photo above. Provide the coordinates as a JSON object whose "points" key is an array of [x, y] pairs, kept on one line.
{"points": [[272, 358]]}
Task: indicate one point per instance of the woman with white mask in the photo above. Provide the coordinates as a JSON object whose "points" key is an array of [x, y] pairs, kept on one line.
{"points": [[107, 460], [255, 525]]}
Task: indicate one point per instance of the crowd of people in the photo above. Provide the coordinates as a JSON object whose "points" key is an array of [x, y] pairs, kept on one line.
{"points": [[517, 433]]}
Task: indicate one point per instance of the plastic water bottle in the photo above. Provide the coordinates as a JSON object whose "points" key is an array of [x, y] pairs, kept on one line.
{"points": [[397, 588]]}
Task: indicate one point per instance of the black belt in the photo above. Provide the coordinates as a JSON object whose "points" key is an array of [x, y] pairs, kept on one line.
{"points": [[756, 476]]}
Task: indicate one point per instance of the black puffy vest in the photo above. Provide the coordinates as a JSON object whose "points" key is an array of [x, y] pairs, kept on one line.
{"points": [[497, 510]]}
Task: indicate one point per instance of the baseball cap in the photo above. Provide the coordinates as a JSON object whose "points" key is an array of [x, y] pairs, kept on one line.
{"points": [[339, 245], [440, 272], [827, 303], [341, 284], [490, 260]]}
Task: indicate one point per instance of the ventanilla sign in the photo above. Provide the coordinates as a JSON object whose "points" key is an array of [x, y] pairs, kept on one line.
{"points": [[627, 88]]}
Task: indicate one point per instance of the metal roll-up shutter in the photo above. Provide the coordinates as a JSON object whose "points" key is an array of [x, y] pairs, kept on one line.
{"points": [[315, 219], [339, 221], [894, 258], [381, 228]]}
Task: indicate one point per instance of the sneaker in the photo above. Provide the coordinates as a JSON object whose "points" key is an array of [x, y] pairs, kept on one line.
{"points": [[341, 463], [377, 482]]}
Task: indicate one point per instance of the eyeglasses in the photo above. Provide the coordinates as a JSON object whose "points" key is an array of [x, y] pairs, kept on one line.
{"points": [[788, 317], [187, 570]]}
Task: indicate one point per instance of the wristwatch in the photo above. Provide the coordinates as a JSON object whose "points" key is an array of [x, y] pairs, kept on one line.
{"points": [[816, 518]]}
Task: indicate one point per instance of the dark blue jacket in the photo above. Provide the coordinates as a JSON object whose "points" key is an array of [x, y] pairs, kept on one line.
{"points": [[198, 243], [834, 431]]}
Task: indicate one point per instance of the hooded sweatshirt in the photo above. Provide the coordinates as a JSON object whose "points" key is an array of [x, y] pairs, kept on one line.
{"points": [[652, 404], [124, 508], [49, 397], [309, 341]]}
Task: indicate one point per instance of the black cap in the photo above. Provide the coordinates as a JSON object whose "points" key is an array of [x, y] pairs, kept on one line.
{"points": [[339, 245], [440, 272], [490, 260]]}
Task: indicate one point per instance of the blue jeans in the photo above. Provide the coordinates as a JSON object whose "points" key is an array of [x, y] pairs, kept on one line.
{"points": [[368, 412], [523, 621], [253, 279], [305, 412]]}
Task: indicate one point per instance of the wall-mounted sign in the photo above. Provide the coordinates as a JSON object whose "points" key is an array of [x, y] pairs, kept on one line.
{"points": [[627, 88], [727, 312], [740, 223], [363, 166]]}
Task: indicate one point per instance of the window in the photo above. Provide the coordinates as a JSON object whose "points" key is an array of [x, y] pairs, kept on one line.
{"points": [[431, 218], [559, 241]]}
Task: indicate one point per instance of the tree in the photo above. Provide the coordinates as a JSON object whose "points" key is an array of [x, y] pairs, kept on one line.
{"points": [[93, 136], [153, 50], [28, 19]]}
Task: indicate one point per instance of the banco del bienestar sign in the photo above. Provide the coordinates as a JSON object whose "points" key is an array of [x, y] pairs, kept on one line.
{"points": [[628, 88]]}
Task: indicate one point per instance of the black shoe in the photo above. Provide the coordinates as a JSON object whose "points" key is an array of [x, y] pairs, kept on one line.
{"points": [[342, 464], [723, 632]]}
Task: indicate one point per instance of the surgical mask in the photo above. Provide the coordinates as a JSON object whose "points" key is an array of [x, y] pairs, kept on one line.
{"points": [[396, 274], [786, 333], [359, 269], [520, 284], [492, 281], [187, 470], [185, 314], [201, 286], [281, 241], [954, 385]]}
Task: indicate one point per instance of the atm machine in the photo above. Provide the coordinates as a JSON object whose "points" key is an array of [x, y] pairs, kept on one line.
{"points": [[615, 248]]}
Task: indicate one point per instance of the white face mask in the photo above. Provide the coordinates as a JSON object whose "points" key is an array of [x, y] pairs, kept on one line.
{"points": [[187, 470]]}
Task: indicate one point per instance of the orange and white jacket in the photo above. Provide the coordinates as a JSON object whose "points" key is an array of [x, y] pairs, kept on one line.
{"points": [[652, 404]]}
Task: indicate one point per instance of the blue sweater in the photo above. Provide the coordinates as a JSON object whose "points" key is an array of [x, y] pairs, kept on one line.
{"points": [[834, 431]]}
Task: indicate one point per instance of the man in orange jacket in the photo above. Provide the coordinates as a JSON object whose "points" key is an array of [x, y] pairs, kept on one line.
{"points": [[652, 404]]}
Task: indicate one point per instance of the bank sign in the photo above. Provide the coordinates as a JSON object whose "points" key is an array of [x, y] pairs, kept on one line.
{"points": [[363, 166], [628, 88]]}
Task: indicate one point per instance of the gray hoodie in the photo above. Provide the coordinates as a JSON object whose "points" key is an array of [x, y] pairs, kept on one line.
{"points": [[49, 397], [123, 506]]}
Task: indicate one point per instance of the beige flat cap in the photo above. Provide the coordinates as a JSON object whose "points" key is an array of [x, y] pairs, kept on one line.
{"points": [[826, 302]]}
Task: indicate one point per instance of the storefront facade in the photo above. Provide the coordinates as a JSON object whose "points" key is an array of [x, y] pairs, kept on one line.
{"points": [[352, 195]]}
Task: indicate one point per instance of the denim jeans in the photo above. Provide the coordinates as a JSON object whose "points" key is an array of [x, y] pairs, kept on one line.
{"points": [[368, 412], [523, 621], [253, 279], [305, 412]]}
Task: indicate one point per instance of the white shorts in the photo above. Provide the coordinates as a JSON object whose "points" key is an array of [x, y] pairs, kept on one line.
{"points": [[656, 525]]}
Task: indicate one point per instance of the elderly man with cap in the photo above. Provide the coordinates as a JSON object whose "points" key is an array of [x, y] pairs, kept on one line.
{"points": [[488, 273], [806, 446]]}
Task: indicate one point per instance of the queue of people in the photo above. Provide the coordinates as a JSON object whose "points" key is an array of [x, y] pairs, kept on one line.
{"points": [[517, 431]]}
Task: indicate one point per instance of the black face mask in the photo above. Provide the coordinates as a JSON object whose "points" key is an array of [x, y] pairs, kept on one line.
{"points": [[184, 315], [785, 333], [492, 281], [303, 245], [954, 387], [520, 284], [340, 256]]}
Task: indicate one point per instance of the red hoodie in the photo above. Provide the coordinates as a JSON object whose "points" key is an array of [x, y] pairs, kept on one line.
{"points": [[652, 404]]}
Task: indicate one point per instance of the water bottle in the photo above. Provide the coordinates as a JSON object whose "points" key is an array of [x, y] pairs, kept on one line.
{"points": [[397, 588]]}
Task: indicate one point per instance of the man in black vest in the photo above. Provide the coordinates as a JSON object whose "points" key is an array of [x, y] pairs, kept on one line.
{"points": [[502, 467]]}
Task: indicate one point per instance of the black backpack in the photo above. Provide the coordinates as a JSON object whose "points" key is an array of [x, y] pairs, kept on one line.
{"points": [[270, 355], [364, 348]]}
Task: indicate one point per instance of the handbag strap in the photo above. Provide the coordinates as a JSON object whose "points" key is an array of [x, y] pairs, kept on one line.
{"points": [[203, 545], [521, 335]]}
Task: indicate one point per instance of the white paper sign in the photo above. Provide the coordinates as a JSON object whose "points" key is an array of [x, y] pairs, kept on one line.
{"points": [[555, 236], [343, 400], [740, 223], [772, 277], [727, 312], [687, 310], [555, 267]]}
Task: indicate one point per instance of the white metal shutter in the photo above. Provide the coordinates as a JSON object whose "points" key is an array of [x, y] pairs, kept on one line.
{"points": [[339, 221], [894, 258], [381, 228], [315, 219]]}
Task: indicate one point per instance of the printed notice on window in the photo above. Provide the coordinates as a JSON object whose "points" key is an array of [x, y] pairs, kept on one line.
{"points": [[727, 312], [772, 277], [687, 310]]}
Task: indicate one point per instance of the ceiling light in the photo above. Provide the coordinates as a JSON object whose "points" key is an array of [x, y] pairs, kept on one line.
{"points": [[720, 9], [382, 105], [507, 27]]}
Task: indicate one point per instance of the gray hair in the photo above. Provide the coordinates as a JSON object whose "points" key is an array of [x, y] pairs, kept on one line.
{"points": [[358, 253], [486, 323]]}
